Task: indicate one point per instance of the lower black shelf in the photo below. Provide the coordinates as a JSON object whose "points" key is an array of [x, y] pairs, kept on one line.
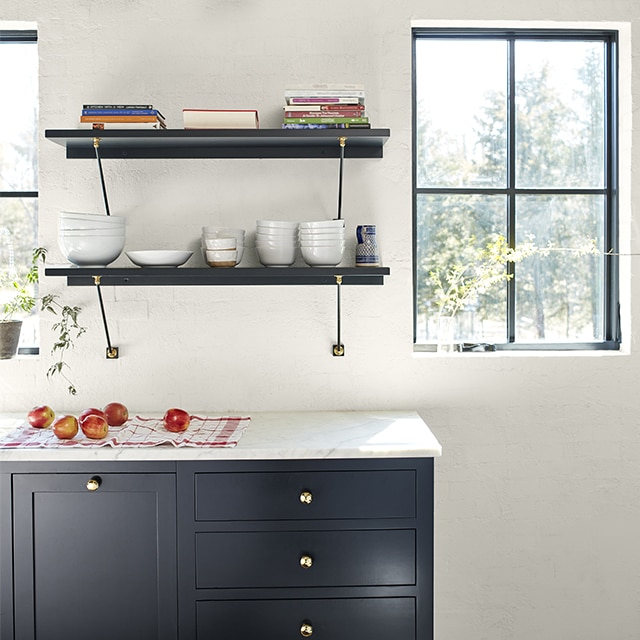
{"points": [[237, 276]]}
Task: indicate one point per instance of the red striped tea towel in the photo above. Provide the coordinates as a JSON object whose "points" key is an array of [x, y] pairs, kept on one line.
{"points": [[138, 432]]}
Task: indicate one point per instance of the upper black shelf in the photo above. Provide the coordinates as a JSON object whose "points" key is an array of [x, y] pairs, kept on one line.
{"points": [[171, 276], [221, 143]]}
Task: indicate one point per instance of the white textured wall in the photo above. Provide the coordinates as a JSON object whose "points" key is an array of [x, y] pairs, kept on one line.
{"points": [[538, 491]]}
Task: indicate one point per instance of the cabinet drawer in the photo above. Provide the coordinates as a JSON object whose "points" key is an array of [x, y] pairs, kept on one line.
{"points": [[278, 559], [305, 495], [330, 619]]}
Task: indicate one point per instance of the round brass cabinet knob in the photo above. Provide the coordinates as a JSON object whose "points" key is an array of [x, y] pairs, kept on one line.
{"points": [[306, 497], [306, 562], [93, 484], [306, 630]]}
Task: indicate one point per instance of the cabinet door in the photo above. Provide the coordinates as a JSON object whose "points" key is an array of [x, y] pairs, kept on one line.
{"points": [[95, 563]]}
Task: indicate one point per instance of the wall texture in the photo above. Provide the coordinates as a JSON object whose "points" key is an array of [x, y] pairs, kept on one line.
{"points": [[538, 489]]}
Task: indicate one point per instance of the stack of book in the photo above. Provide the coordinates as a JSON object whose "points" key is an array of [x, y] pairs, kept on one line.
{"points": [[122, 116], [325, 106], [220, 118]]}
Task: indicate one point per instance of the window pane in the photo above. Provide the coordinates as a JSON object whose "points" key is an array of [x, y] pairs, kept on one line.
{"points": [[559, 114], [461, 113], [452, 230], [559, 293], [18, 116], [18, 237]]}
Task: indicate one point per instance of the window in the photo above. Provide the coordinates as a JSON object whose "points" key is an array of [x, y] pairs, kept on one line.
{"points": [[18, 166], [515, 185]]}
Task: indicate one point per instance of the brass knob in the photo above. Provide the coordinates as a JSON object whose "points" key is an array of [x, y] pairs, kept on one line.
{"points": [[306, 562], [93, 484], [306, 497], [306, 630]]}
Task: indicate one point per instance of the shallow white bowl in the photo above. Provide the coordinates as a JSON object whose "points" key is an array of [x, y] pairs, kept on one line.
{"points": [[323, 224], [282, 233], [94, 233], [220, 242], [91, 251], [322, 243], [276, 224], [159, 257], [223, 231], [282, 256], [322, 256]]}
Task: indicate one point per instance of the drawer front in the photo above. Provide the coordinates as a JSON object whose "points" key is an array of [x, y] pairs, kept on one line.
{"points": [[305, 495], [331, 619], [305, 558]]}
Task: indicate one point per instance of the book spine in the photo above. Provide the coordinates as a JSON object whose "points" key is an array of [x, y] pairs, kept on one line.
{"points": [[324, 114], [324, 107], [127, 125], [121, 112], [313, 93], [327, 120], [346, 125], [117, 106], [323, 100], [119, 119], [326, 86]]}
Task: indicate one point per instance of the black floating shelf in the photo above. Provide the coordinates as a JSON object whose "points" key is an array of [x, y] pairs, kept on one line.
{"points": [[185, 276], [221, 143]]}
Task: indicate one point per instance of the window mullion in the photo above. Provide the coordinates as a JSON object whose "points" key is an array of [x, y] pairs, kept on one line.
{"points": [[511, 195]]}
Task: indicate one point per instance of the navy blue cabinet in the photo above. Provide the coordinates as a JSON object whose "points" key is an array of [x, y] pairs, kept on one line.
{"points": [[328, 549], [221, 549]]}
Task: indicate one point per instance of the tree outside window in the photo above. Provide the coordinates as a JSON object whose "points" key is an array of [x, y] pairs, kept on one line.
{"points": [[515, 144]]}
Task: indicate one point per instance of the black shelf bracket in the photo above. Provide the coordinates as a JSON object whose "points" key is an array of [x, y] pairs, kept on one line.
{"points": [[338, 348], [112, 352], [96, 146], [342, 140]]}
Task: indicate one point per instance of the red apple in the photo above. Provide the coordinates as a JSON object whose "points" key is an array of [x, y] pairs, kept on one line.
{"points": [[90, 412], [117, 414], [94, 426], [41, 416], [176, 420], [65, 427]]}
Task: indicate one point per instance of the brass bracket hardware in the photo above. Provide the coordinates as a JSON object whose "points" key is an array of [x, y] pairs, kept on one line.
{"points": [[342, 140], [306, 497], [93, 484], [306, 630], [112, 352], [338, 348]]}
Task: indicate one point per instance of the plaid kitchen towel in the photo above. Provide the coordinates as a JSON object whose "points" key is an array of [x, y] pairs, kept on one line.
{"points": [[137, 432]]}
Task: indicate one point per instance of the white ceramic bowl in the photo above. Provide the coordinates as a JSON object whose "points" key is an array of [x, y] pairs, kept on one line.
{"points": [[96, 233], [159, 258], [323, 224], [276, 243], [220, 243], [283, 233], [312, 235], [92, 217], [223, 231], [322, 243], [276, 224], [280, 256], [221, 258], [91, 251], [322, 256]]}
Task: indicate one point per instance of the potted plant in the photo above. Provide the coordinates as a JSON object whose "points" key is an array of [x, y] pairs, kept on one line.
{"points": [[67, 327], [23, 301]]}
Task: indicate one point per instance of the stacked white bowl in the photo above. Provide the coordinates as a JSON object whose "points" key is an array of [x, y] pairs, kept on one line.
{"points": [[216, 240], [89, 239], [276, 242], [322, 242]]}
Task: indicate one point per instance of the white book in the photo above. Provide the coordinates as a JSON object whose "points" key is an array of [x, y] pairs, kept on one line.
{"points": [[326, 86], [220, 119]]}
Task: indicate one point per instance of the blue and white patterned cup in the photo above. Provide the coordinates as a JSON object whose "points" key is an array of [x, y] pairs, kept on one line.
{"points": [[367, 254]]}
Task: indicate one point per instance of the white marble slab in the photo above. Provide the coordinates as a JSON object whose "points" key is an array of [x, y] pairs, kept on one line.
{"points": [[275, 436]]}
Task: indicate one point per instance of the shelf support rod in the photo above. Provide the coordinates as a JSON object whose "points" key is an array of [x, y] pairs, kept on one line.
{"points": [[96, 146], [338, 348], [112, 352], [343, 141]]}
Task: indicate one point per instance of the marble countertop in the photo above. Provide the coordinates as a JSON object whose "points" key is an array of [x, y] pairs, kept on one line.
{"points": [[273, 436]]}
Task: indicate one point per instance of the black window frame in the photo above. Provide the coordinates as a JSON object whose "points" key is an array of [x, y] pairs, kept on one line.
{"points": [[23, 36], [612, 337]]}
